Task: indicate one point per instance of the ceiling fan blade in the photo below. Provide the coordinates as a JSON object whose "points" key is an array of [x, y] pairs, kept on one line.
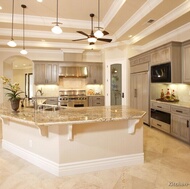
{"points": [[79, 39], [105, 40], [105, 32], [81, 32]]}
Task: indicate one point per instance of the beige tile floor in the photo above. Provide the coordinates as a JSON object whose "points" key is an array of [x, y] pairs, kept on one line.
{"points": [[167, 164]]}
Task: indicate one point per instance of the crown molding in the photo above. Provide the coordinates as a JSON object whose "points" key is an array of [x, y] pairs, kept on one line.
{"points": [[72, 50], [177, 34]]}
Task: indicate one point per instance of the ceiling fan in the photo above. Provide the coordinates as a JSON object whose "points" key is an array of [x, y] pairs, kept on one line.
{"points": [[91, 38]]}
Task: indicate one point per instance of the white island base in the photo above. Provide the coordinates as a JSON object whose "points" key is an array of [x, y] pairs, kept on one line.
{"points": [[88, 147]]}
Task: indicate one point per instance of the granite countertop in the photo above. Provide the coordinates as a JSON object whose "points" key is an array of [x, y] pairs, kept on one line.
{"points": [[71, 115], [179, 103]]}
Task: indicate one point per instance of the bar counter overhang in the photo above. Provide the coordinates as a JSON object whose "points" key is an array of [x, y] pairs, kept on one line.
{"points": [[75, 140]]}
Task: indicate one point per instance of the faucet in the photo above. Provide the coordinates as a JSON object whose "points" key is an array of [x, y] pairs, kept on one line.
{"points": [[35, 101], [39, 90]]}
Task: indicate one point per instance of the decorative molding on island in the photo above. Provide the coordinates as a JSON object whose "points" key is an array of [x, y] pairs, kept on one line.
{"points": [[75, 140]]}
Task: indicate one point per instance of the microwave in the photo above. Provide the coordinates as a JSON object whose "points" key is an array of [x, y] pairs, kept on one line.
{"points": [[161, 73]]}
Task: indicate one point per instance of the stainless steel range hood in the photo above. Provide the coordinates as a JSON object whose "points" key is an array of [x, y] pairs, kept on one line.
{"points": [[73, 71]]}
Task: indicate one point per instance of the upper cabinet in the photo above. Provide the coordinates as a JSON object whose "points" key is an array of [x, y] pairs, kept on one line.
{"points": [[140, 59], [185, 62], [46, 73], [95, 74], [170, 52], [162, 55]]}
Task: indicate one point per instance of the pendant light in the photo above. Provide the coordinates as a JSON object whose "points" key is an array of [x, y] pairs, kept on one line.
{"points": [[98, 33], [12, 43], [56, 29], [23, 51]]}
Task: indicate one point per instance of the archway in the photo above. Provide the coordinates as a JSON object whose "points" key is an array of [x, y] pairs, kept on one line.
{"points": [[19, 68]]}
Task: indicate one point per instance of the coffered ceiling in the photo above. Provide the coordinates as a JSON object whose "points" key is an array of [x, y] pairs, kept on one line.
{"points": [[126, 21]]}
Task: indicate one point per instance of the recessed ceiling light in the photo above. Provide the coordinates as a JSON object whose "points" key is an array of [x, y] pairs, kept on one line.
{"points": [[40, 1], [130, 36], [1, 7], [24, 64]]}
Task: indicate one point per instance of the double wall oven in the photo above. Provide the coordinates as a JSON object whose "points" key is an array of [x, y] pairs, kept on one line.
{"points": [[73, 98]]}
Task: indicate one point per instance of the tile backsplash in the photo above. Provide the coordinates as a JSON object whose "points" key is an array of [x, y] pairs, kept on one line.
{"points": [[182, 91]]}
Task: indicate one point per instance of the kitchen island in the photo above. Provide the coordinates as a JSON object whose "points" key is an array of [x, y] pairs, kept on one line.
{"points": [[75, 140]]}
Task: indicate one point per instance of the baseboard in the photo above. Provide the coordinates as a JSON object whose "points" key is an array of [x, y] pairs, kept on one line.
{"points": [[73, 168]]}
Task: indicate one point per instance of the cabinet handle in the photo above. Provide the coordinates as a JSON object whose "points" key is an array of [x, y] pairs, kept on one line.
{"points": [[159, 125], [135, 95], [187, 123], [179, 111], [159, 106]]}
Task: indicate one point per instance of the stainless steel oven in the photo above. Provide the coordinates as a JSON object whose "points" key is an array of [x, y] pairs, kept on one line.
{"points": [[73, 98], [161, 116]]}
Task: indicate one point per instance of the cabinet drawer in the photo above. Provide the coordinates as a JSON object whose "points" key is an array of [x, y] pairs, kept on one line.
{"points": [[96, 101], [161, 107], [180, 110], [160, 125]]}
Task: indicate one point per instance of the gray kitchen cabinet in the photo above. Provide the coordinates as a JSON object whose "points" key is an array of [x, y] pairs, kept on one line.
{"points": [[162, 55], [185, 62], [96, 100], [139, 93], [155, 121], [170, 52], [180, 123], [95, 74], [160, 125], [46, 73], [139, 83], [180, 127]]}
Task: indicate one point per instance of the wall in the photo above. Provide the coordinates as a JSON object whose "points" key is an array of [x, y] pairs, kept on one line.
{"points": [[114, 55], [182, 91], [32, 55], [19, 77]]}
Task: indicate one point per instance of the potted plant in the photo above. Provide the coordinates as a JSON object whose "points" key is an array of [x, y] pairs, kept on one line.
{"points": [[13, 93]]}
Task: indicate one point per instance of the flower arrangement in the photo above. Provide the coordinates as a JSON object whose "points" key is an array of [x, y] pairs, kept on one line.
{"points": [[14, 90]]}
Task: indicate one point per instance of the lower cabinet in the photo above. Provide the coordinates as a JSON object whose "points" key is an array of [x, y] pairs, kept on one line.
{"points": [[180, 127], [160, 125], [180, 118], [96, 100]]}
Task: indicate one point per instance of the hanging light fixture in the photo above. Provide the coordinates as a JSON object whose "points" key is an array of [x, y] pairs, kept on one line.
{"points": [[92, 40], [56, 29], [98, 33], [23, 51], [12, 43]]}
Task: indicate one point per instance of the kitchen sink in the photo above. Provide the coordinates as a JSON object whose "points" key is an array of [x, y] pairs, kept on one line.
{"points": [[51, 108]]}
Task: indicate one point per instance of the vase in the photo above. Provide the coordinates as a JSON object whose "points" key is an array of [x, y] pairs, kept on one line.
{"points": [[15, 104]]}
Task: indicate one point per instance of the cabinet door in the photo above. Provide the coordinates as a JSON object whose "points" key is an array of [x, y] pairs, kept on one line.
{"points": [[185, 63], [139, 93], [95, 74], [46, 73], [180, 127], [39, 74], [161, 56], [52, 74]]}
